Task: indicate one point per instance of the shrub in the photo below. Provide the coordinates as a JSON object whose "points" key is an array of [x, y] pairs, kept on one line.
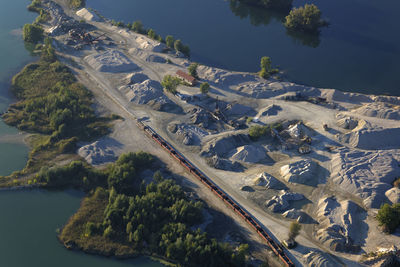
{"points": [[258, 131], [169, 41], [294, 230], [137, 26], [192, 69], [204, 88], [32, 33], [389, 217], [178, 46], [305, 19], [77, 3], [170, 83]]}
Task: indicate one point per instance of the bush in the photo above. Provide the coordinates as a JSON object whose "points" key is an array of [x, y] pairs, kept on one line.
{"points": [[77, 3], [170, 83], [178, 45], [192, 69], [137, 26], [294, 230], [304, 19], [32, 33], [204, 88], [389, 217], [169, 41], [258, 131]]}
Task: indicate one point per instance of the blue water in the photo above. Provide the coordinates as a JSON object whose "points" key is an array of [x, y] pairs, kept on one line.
{"points": [[359, 51]]}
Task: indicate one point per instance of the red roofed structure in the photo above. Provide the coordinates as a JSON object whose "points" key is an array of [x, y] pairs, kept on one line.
{"points": [[186, 77]]}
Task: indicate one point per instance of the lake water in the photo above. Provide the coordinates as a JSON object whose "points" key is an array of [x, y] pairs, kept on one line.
{"points": [[359, 51], [29, 219]]}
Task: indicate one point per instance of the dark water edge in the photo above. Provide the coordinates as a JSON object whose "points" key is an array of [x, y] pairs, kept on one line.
{"points": [[358, 52]]}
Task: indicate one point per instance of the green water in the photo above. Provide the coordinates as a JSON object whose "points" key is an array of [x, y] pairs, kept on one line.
{"points": [[29, 219], [359, 51]]}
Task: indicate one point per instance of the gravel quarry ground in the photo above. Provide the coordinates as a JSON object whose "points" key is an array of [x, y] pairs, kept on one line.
{"points": [[351, 141]]}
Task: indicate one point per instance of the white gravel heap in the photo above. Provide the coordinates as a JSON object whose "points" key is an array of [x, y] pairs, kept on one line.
{"points": [[87, 15], [347, 123], [341, 224], [281, 202], [393, 195], [111, 61], [97, 153], [142, 93], [295, 214], [136, 77], [319, 259], [149, 44], [367, 174], [266, 180], [379, 110], [299, 172], [249, 154]]}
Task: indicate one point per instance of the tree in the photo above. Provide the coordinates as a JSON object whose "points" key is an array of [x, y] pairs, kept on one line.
{"points": [[170, 83], [258, 131], [389, 217], [265, 67], [178, 46], [169, 41], [32, 33], [294, 230], [137, 26], [152, 34], [204, 88], [305, 19], [192, 69]]}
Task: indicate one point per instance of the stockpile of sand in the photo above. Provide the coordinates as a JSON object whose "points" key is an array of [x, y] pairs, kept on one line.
{"points": [[379, 110], [319, 259], [366, 174], [249, 154], [142, 93], [87, 15], [341, 224], [393, 195], [189, 134], [282, 201], [224, 164], [155, 59], [268, 181], [111, 61], [223, 144], [137, 77], [223, 77], [99, 152], [301, 172], [296, 214], [149, 44], [347, 122]]}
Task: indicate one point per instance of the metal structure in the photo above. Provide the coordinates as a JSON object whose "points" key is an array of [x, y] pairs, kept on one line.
{"points": [[276, 247]]}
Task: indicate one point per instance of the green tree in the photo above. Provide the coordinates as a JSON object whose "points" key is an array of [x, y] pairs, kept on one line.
{"points": [[305, 19], [170, 83], [204, 88], [294, 230], [192, 69], [152, 34], [137, 26], [32, 33], [389, 217], [258, 131], [178, 45], [169, 41], [265, 67]]}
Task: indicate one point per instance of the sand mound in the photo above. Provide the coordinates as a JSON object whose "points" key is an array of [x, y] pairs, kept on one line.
{"points": [[223, 77], [295, 214], [142, 93], [268, 181], [149, 44], [188, 134], [319, 259], [99, 152], [393, 195], [379, 110], [341, 224], [111, 61], [156, 59], [224, 164], [222, 145], [301, 172], [87, 15], [249, 154], [347, 123], [366, 174], [136, 78], [281, 202], [374, 138], [201, 117]]}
